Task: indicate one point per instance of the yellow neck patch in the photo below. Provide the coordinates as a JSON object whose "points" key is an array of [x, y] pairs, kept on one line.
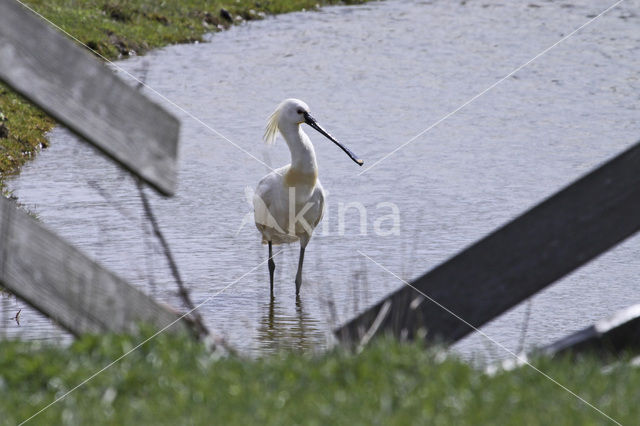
{"points": [[295, 177]]}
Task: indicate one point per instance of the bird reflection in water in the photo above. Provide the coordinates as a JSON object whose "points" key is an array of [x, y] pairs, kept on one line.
{"points": [[281, 331]]}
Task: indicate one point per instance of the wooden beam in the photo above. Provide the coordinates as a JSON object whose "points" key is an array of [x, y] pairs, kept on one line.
{"points": [[83, 94], [519, 259], [64, 284], [607, 337]]}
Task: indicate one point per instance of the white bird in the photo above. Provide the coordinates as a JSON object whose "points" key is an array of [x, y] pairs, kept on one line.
{"points": [[289, 202]]}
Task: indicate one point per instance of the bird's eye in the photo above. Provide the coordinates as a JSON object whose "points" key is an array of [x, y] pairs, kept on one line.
{"points": [[300, 111]]}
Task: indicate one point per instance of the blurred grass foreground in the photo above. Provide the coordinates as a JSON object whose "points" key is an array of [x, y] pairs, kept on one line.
{"points": [[174, 380]]}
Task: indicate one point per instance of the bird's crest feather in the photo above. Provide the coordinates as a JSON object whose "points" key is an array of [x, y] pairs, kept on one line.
{"points": [[271, 132]]}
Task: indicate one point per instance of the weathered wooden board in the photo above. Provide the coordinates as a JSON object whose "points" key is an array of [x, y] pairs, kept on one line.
{"points": [[607, 337], [60, 281], [84, 95], [519, 259]]}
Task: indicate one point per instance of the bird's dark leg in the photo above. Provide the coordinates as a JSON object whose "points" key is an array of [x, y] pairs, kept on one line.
{"points": [[299, 274], [272, 267]]}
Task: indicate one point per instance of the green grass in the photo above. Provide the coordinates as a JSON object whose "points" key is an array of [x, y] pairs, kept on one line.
{"points": [[173, 380], [117, 29], [22, 132]]}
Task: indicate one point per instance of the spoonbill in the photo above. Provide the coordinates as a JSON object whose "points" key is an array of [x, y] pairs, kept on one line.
{"points": [[289, 202]]}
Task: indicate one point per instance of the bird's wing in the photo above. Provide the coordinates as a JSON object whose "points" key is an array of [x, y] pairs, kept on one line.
{"points": [[262, 204], [318, 199]]}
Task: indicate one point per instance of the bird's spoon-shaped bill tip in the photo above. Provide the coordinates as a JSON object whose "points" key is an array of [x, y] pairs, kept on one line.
{"points": [[313, 123]]}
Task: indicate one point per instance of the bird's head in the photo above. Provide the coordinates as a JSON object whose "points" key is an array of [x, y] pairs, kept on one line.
{"points": [[290, 111], [294, 111]]}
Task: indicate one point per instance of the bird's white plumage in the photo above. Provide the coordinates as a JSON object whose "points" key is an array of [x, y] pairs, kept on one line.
{"points": [[277, 219], [289, 202], [271, 131]]}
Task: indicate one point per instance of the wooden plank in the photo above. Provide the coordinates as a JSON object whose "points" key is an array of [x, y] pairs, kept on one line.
{"points": [[608, 337], [83, 94], [519, 259], [64, 284]]}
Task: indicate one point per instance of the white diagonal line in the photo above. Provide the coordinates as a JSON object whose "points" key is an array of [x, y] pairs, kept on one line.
{"points": [[85, 381], [141, 83], [443, 118], [485, 335]]}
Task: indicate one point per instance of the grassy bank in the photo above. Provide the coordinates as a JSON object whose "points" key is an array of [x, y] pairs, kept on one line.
{"points": [[174, 381], [117, 29]]}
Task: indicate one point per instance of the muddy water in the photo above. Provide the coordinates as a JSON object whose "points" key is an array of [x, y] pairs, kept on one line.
{"points": [[375, 76]]}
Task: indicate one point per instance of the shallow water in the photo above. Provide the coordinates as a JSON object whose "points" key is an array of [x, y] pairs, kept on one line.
{"points": [[374, 76]]}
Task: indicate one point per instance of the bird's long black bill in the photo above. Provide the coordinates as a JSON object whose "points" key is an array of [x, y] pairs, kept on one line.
{"points": [[313, 123]]}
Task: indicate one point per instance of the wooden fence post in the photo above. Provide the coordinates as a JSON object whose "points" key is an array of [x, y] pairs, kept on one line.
{"points": [[84, 95], [607, 337], [60, 281], [517, 260]]}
